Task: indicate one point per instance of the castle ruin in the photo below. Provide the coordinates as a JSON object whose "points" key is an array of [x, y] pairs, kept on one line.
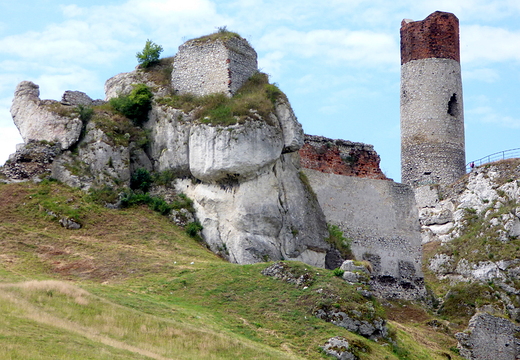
{"points": [[432, 116], [205, 66]]}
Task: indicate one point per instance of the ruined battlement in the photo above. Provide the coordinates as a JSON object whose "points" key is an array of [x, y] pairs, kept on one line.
{"points": [[437, 36], [340, 157], [210, 65]]}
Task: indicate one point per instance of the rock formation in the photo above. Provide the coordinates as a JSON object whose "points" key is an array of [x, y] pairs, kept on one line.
{"points": [[489, 337], [44, 120]]}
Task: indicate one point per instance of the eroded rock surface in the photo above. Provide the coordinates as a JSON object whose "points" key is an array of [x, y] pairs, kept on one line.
{"points": [[489, 338], [45, 120]]}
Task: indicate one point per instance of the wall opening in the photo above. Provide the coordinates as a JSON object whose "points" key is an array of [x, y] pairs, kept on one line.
{"points": [[453, 106]]}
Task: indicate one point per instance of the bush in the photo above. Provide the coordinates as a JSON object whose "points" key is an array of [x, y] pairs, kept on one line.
{"points": [[149, 55], [155, 203], [193, 228], [337, 240], [136, 105], [141, 180], [338, 272]]}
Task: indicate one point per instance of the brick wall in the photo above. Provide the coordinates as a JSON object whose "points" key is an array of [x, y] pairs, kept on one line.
{"points": [[437, 36], [340, 157]]}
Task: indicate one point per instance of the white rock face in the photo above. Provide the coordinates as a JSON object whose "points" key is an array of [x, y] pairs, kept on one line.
{"points": [[269, 217], [98, 162], [238, 151], [36, 121], [123, 84], [291, 129], [169, 133]]}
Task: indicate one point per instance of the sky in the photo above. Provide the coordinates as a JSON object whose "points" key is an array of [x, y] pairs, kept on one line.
{"points": [[337, 61]]}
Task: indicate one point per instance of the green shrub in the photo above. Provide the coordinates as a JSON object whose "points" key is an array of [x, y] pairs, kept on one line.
{"points": [[339, 241], [104, 195], [149, 55], [85, 113], [136, 105], [338, 272], [193, 228], [141, 179]]}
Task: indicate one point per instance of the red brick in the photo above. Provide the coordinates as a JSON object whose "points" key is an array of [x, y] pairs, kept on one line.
{"points": [[437, 36]]}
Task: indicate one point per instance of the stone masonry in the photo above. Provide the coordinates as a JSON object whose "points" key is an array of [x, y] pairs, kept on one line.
{"points": [[206, 66], [432, 117], [340, 157]]}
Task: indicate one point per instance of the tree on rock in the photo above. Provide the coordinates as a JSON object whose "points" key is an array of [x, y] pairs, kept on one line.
{"points": [[149, 55]]}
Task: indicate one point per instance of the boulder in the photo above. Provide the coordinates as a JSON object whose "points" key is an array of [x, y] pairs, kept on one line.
{"points": [[489, 337], [340, 348]]}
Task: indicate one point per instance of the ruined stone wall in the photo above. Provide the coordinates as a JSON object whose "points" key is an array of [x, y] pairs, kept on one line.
{"points": [[380, 217], [212, 66], [340, 157], [432, 116]]}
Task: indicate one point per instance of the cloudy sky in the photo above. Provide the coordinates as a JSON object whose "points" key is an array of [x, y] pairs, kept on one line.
{"points": [[338, 63]]}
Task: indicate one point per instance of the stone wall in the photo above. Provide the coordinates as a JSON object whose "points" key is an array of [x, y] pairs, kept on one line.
{"points": [[432, 116], [340, 157], [203, 67], [380, 217]]}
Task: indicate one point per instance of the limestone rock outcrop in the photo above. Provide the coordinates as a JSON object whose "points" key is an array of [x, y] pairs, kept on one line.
{"points": [[272, 216], [340, 348], [44, 119], [489, 337], [98, 162]]}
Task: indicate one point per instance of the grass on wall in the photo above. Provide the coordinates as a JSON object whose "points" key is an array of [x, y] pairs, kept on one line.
{"points": [[256, 99]]}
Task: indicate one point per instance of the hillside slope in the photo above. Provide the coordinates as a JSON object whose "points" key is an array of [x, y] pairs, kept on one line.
{"points": [[130, 285]]}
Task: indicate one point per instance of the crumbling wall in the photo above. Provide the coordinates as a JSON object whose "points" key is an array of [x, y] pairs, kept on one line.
{"points": [[203, 67], [380, 218], [340, 157]]}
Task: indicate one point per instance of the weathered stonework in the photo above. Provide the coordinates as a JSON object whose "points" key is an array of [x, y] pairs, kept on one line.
{"points": [[380, 217], [340, 157], [203, 67], [432, 116]]}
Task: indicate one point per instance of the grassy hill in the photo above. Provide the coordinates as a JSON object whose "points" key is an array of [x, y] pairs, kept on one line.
{"points": [[131, 285]]}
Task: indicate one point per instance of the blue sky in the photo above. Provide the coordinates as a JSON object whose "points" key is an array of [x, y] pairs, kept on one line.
{"points": [[339, 62]]}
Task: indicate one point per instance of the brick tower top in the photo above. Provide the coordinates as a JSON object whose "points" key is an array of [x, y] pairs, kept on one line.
{"points": [[437, 36]]}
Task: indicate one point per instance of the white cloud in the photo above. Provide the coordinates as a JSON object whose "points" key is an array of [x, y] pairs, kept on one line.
{"points": [[487, 114], [481, 74], [334, 46], [485, 44]]}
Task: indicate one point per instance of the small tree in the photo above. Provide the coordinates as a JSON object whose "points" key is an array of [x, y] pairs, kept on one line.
{"points": [[149, 55]]}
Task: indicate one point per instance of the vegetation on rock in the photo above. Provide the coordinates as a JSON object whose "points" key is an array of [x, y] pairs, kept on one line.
{"points": [[255, 100], [136, 105], [150, 54]]}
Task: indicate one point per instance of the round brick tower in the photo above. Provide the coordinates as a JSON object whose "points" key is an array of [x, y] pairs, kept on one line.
{"points": [[432, 117]]}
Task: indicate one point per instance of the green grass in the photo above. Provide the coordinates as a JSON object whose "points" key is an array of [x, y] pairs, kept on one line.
{"points": [[130, 285], [254, 100]]}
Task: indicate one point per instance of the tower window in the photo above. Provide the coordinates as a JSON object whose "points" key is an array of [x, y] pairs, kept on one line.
{"points": [[453, 106]]}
